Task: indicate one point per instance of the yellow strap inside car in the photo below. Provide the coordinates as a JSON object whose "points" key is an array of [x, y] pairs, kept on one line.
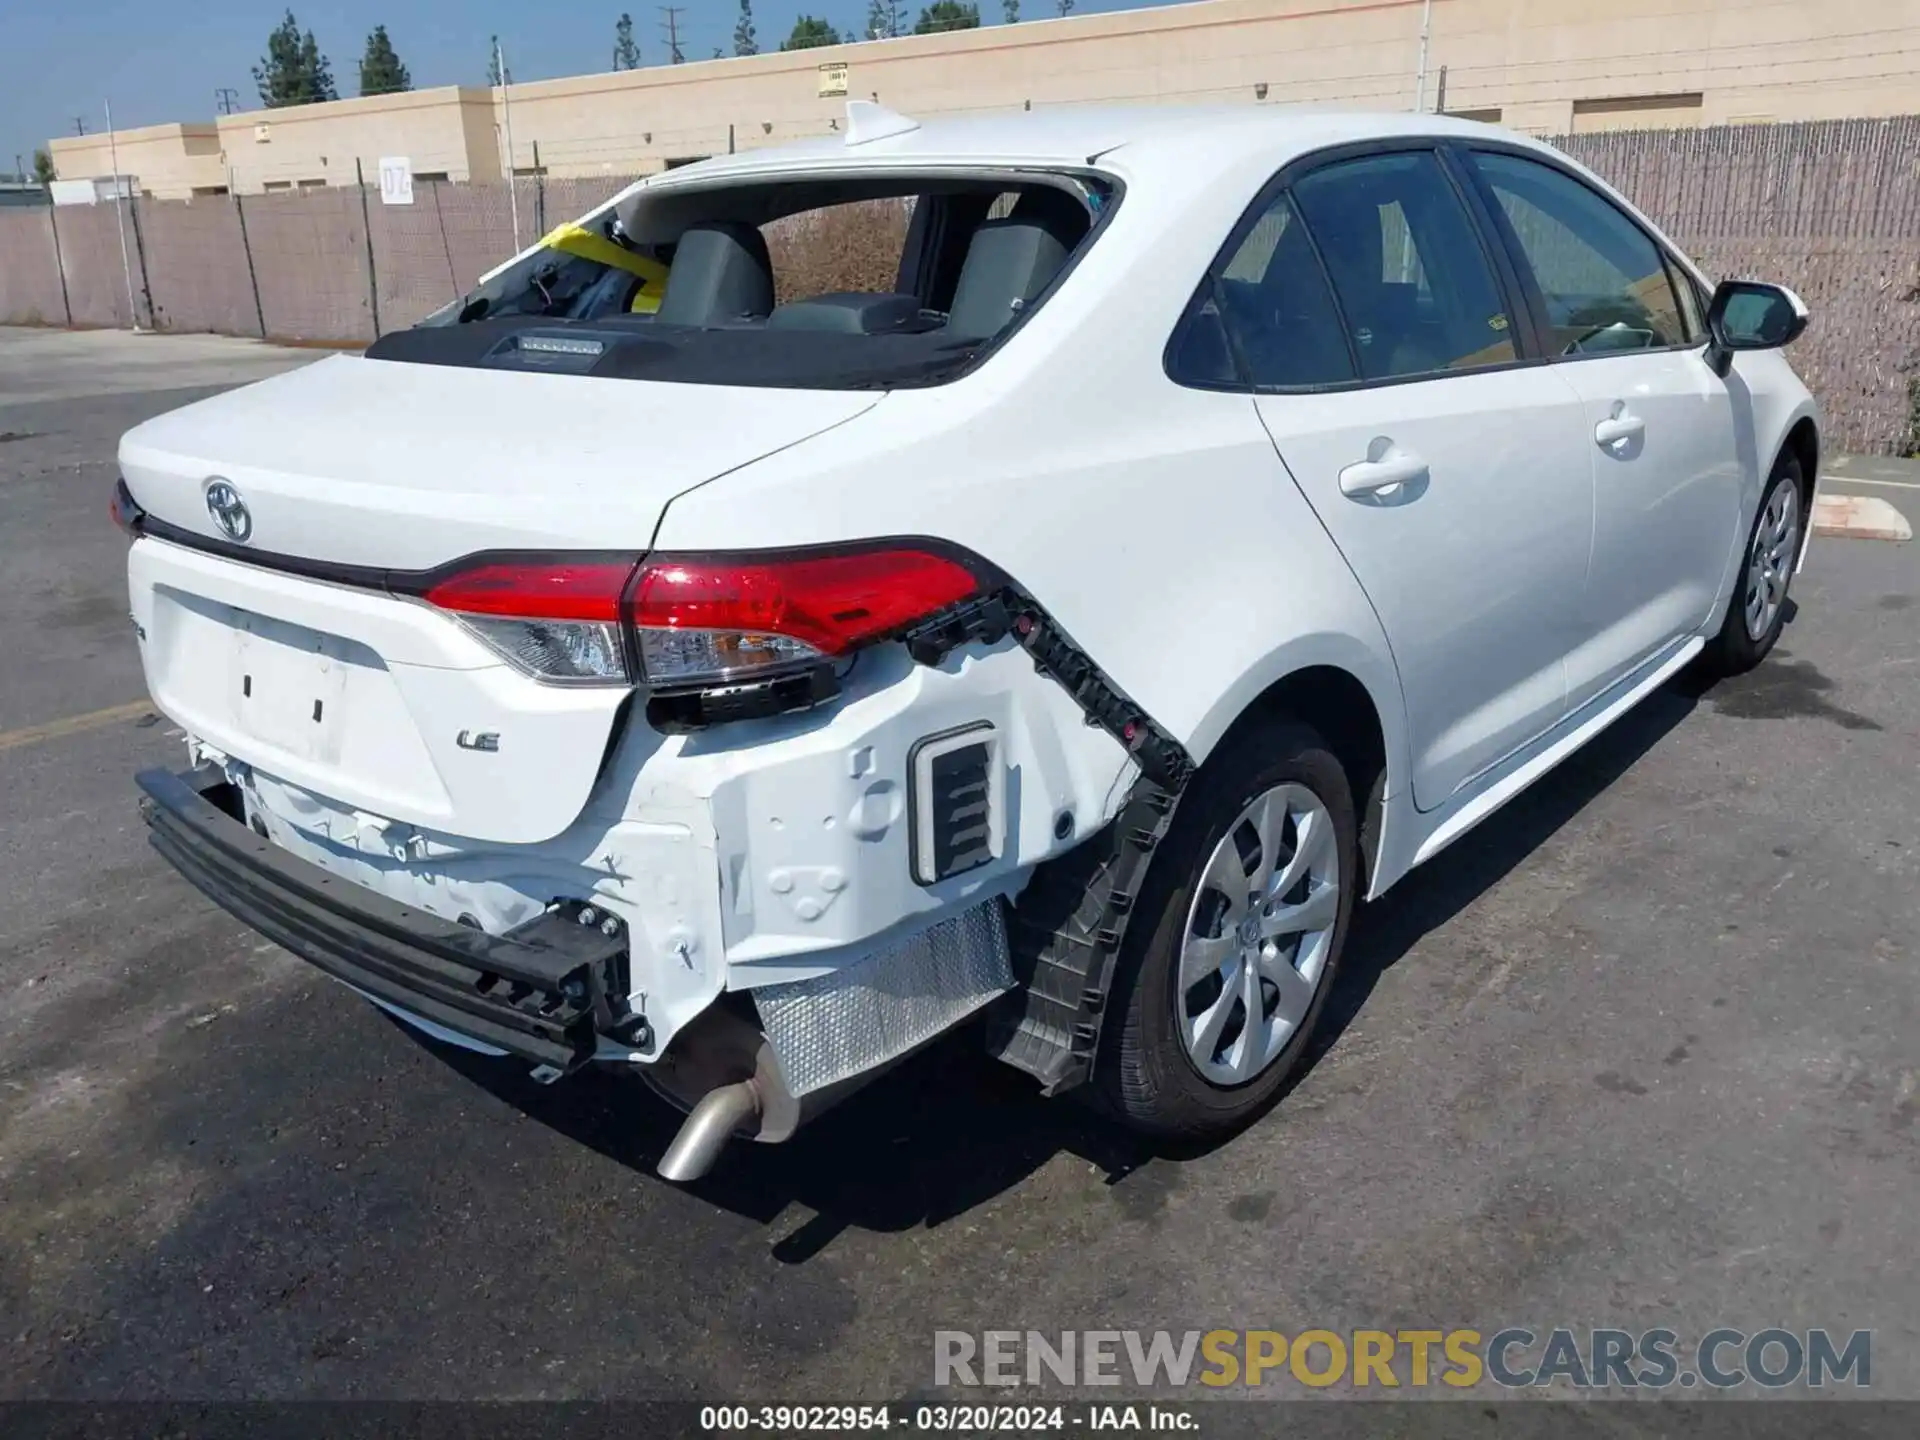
{"points": [[571, 239]]}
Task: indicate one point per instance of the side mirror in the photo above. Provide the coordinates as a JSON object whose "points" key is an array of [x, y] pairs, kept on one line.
{"points": [[1751, 315]]}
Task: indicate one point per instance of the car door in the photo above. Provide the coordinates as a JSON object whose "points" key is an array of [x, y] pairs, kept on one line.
{"points": [[1623, 329], [1370, 312]]}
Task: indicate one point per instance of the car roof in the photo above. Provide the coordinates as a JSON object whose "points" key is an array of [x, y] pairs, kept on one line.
{"points": [[1150, 135]]}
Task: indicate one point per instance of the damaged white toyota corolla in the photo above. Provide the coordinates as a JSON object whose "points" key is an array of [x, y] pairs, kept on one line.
{"points": [[1205, 519]]}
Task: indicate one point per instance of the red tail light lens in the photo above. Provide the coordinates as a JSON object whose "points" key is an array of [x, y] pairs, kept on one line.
{"points": [[124, 509], [536, 589], [696, 620], [705, 618]]}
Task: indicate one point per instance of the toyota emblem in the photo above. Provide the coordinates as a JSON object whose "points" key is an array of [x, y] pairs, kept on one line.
{"points": [[229, 511]]}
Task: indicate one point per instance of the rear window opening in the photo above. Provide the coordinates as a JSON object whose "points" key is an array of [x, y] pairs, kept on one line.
{"points": [[822, 282]]}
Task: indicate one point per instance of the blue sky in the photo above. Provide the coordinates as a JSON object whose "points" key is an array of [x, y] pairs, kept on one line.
{"points": [[159, 62]]}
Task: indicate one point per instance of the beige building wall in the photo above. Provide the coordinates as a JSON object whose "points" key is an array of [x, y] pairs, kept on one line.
{"points": [[1547, 66], [166, 160], [445, 132]]}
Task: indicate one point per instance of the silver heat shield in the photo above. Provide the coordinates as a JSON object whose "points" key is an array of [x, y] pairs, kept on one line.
{"points": [[828, 1028]]}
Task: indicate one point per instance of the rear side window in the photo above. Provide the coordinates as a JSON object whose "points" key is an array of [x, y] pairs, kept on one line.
{"points": [[1605, 283], [1279, 316], [1414, 283]]}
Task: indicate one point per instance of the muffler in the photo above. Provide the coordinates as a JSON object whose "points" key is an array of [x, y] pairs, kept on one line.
{"points": [[722, 1071]]}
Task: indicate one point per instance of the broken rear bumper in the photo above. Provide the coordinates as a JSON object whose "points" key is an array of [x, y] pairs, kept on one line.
{"points": [[546, 992]]}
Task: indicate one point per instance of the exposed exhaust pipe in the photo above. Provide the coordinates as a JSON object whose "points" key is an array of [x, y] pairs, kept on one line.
{"points": [[707, 1129]]}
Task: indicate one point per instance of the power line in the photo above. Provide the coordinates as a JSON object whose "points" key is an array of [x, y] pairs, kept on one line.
{"points": [[671, 25]]}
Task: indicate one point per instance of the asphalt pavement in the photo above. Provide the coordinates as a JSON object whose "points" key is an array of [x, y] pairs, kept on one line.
{"points": [[1640, 1051]]}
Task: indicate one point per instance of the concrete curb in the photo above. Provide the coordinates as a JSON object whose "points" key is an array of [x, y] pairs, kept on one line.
{"points": [[1859, 517]]}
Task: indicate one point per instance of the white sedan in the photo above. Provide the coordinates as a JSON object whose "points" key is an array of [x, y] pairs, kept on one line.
{"points": [[1204, 519]]}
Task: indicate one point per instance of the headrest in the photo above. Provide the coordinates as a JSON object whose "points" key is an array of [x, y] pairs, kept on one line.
{"points": [[720, 273], [1010, 261]]}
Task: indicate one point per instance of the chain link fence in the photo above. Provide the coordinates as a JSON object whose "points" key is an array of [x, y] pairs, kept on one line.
{"points": [[1831, 208]]}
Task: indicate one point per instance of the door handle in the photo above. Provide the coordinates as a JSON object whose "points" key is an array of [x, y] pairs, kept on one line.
{"points": [[1623, 424], [1389, 472]]}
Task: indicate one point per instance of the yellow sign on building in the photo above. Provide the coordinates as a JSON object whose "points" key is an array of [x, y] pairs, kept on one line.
{"points": [[833, 79]]}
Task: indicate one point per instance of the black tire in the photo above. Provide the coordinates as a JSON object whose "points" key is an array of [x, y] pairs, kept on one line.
{"points": [[1144, 1076], [1733, 651]]}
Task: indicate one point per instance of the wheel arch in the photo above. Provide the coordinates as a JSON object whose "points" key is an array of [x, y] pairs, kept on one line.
{"points": [[1360, 725], [1803, 441]]}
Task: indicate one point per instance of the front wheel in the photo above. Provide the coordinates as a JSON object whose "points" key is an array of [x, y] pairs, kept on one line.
{"points": [[1758, 608], [1241, 921]]}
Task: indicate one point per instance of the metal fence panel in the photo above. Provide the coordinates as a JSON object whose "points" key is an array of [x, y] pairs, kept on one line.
{"points": [[197, 268], [310, 257], [479, 226], [570, 199], [90, 257], [413, 256], [30, 291]]}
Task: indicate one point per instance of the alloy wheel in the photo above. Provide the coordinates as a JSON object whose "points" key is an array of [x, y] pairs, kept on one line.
{"points": [[1258, 935], [1776, 545]]}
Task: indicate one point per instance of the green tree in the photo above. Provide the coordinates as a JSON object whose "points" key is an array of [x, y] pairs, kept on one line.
{"points": [[943, 15], [809, 33], [293, 71], [744, 41], [381, 72], [494, 77], [626, 50], [1065, 7], [43, 167], [1012, 9], [883, 19]]}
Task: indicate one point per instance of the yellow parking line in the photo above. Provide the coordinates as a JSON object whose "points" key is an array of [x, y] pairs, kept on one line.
{"points": [[74, 724]]}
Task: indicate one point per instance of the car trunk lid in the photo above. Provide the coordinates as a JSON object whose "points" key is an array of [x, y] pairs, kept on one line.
{"points": [[371, 463]]}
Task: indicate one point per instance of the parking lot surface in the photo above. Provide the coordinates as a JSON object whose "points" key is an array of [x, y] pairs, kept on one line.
{"points": [[1640, 1051]]}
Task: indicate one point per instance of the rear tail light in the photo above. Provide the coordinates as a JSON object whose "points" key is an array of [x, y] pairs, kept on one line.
{"points": [[696, 621], [557, 619], [124, 509], [728, 618]]}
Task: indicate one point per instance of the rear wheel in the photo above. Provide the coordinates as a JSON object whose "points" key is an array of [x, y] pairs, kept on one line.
{"points": [[1758, 608], [1242, 917]]}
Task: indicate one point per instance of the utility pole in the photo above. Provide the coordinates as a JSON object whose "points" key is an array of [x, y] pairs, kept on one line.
{"points": [[224, 99], [1426, 34], [79, 125], [119, 215], [672, 26], [506, 120]]}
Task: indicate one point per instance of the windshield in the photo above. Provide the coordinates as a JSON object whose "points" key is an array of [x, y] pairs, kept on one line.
{"points": [[821, 282]]}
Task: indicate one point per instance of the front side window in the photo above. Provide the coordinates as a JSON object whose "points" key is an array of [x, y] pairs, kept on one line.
{"points": [[1604, 281], [1415, 287]]}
